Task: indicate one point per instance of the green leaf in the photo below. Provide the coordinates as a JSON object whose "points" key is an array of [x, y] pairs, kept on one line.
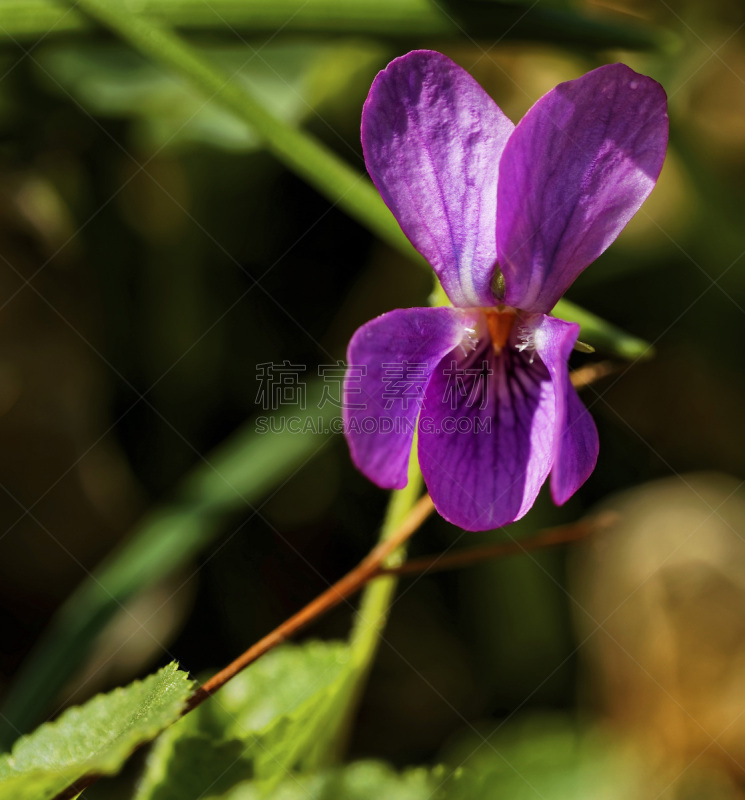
{"points": [[186, 763], [363, 780], [264, 723], [233, 477], [556, 757], [93, 739], [545, 757]]}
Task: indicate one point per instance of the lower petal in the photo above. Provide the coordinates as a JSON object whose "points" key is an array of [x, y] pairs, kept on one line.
{"points": [[576, 439], [486, 436], [390, 361]]}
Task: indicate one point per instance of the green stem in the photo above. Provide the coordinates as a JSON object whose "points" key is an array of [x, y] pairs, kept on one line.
{"points": [[369, 624], [376, 599]]}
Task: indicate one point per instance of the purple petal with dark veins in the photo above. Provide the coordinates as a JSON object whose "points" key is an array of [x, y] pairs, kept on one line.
{"points": [[486, 441], [432, 139], [576, 169], [390, 360], [576, 439]]}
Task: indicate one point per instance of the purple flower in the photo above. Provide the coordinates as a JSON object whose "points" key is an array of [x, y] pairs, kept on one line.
{"points": [[507, 216]]}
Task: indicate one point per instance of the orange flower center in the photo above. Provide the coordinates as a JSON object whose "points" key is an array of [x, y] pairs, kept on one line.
{"points": [[499, 321]]}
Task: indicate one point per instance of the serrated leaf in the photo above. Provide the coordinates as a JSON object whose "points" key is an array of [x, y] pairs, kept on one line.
{"points": [[363, 780], [263, 724], [95, 738], [187, 763]]}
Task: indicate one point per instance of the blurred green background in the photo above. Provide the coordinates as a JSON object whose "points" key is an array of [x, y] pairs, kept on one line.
{"points": [[153, 252]]}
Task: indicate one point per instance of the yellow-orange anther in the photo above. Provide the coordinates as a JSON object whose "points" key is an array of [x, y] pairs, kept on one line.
{"points": [[499, 322]]}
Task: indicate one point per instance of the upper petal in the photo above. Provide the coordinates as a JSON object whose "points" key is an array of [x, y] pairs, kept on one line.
{"points": [[486, 436], [432, 139], [576, 169], [390, 360], [576, 439]]}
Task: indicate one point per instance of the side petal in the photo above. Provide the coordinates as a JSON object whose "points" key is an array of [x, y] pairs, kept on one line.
{"points": [[576, 438], [390, 361], [578, 167], [432, 139], [486, 437]]}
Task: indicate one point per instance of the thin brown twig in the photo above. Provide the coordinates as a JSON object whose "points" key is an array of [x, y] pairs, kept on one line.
{"points": [[475, 555]]}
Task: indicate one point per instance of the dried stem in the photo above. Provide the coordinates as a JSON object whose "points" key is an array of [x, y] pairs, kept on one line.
{"points": [[475, 555], [584, 376]]}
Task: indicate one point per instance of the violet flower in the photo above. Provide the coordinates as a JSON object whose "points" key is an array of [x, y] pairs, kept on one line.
{"points": [[507, 216]]}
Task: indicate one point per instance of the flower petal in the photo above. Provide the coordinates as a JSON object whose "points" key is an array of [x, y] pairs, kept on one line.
{"points": [[432, 139], [486, 436], [390, 362], [576, 438], [576, 169]]}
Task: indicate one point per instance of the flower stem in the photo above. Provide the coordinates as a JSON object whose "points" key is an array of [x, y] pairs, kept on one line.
{"points": [[373, 612], [376, 600]]}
